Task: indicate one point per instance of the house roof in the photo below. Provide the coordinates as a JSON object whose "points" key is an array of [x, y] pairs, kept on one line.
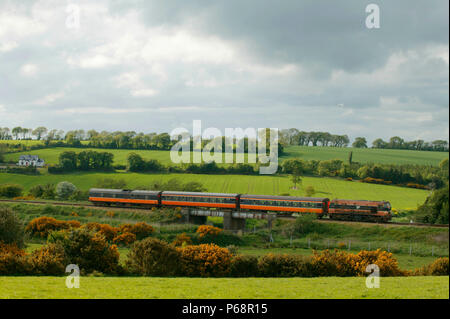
{"points": [[30, 158]]}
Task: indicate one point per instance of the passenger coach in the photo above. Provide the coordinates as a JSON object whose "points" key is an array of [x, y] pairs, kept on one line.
{"points": [[217, 200], [288, 204], [107, 197]]}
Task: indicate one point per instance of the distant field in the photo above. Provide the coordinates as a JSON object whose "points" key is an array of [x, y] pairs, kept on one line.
{"points": [[400, 198], [369, 155], [233, 288], [51, 155]]}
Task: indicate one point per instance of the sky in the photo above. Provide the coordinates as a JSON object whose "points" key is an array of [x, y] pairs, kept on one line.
{"points": [[154, 66]]}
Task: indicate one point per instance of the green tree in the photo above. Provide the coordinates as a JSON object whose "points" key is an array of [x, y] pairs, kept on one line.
{"points": [[360, 142], [65, 189], [11, 228], [296, 177], [39, 132]]}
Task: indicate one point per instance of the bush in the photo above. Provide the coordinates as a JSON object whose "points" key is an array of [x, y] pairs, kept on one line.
{"points": [[13, 261], [42, 226], [11, 228], [124, 239], [206, 260], [108, 231], [65, 189], [90, 251], [383, 259], [46, 191], [340, 263], [333, 263], [244, 266], [285, 265], [49, 260], [182, 240], [11, 190], [204, 230], [439, 267], [141, 230], [153, 257]]}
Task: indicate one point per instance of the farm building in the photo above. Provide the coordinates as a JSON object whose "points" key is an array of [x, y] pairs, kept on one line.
{"points": [[30, 160]]}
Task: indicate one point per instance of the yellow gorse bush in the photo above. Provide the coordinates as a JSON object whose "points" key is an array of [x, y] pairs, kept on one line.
{"points": [[204, 230]]}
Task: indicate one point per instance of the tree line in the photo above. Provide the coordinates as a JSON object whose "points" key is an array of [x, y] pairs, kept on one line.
{"points": [[294, 136], [163, 141]]}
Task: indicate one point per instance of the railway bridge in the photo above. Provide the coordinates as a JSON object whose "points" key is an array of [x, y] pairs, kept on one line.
{"points": [[233, 220]]}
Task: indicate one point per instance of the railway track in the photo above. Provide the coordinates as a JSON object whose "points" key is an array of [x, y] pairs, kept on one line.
{"points": [[323, 220]]}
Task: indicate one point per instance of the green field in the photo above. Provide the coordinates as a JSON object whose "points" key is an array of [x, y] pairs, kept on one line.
{"points": [[50, 155], [230, 288], [400, 197], [366, 155]]}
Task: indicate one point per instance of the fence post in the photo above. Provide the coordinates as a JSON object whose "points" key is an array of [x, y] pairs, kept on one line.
{"points": [[349, 244], [328, 244], [432, 251], [389, 247], [410, 249], [290, 243], [309, 243], [271, 237], [369, 245]]}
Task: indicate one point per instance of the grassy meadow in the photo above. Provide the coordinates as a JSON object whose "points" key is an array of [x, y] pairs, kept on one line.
{"points": [[384, 156], [229, 288], [400, 197]]}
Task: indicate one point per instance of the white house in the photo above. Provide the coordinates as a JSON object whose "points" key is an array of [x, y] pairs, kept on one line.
{"points": [[30, 160]]}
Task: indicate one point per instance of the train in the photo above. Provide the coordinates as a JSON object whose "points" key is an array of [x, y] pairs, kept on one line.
{"points": [[336, 209]]}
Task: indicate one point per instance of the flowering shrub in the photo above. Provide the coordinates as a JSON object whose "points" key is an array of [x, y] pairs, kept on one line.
{"points": [[336, 263], [383, 259], [182, 240], [13, 260], [42, 226], [90, 251], [204, 230], [29, 197], [124, 239], [206, 260], [439, 267], [104, 229], [49, 260], [153, 257], [339, 263], [142, 230]]}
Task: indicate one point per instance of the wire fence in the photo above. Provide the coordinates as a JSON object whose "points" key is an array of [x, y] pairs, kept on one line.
{"points": [[412, 248]]}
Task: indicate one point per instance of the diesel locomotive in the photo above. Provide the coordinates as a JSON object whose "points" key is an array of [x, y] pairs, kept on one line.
{"points": [[337, 209]]}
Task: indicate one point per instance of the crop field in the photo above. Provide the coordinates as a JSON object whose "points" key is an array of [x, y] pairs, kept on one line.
{"points": [[367, 155], [385, 156], [230, 288], [400, 197]]}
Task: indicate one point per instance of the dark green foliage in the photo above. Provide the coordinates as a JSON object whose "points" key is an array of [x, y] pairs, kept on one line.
{"points": [[10, 190], [12, 230], [153, 257], [244, 266], [435, 210]]}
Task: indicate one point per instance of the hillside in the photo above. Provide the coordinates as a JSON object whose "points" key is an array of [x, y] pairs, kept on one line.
{"points": [[385, 156], [400, 197]]}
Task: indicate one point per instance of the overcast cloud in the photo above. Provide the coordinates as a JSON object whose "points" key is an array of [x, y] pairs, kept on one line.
{"points": [[157, 65]]}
